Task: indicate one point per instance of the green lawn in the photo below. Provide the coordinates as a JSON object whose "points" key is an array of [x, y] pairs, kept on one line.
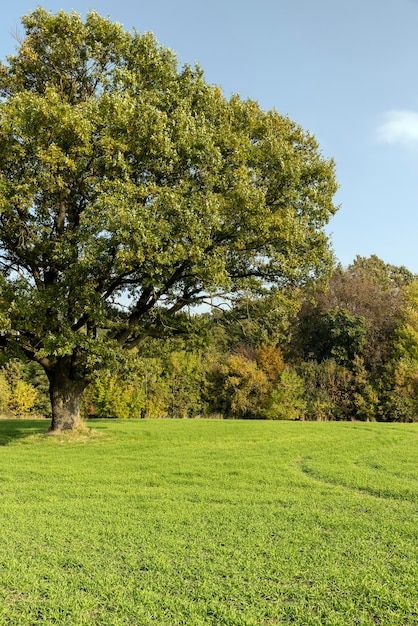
{"points": [[209, 522]]}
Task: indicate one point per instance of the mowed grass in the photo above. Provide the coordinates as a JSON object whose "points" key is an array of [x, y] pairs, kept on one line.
{"points": [[209, 522]]}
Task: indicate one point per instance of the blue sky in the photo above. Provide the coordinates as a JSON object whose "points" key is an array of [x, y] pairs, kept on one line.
{"points": [[344, 69]]}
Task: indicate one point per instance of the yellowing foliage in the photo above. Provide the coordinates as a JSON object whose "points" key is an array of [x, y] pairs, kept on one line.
{"points": [[4, 394], [270, 360], [22, 398]]}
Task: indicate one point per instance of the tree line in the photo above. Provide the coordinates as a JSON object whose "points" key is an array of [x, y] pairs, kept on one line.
{"points": [[347, 351]]}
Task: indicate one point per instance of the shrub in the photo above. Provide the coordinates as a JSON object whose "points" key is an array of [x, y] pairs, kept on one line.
{"points": [[239, 387], [185, 379], [327, 387], [365, 397], [4, 394], [287, 398], [398, 407], [113, 397], [17, 395], [22, 398], [270, 361]]}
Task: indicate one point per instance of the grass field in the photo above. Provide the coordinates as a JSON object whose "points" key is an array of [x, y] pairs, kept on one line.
{"points": [[209, 522]]}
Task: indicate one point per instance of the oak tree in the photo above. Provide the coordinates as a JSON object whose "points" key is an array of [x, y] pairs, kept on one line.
{"points": [[132, 190]]}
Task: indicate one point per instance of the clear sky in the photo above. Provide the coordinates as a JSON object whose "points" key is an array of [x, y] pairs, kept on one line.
{"points": [[344, 69]]}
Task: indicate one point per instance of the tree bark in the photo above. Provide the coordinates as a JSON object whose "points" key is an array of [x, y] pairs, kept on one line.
{"points": [[65, 393]]}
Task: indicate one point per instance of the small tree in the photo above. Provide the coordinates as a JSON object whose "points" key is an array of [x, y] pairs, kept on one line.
{"points": [[129, 190]]}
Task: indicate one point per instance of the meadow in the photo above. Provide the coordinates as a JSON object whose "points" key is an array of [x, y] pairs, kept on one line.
{"points": [[223, 523]]}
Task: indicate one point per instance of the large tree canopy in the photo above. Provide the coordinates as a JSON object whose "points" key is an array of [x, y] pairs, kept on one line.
{"points": [[130, 189]]}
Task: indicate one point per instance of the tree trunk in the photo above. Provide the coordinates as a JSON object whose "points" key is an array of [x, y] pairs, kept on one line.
{"points": [[65, 393]]}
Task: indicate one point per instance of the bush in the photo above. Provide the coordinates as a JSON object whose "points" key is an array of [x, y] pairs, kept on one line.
{"points": [[328, 390], [365, 397], [400, 391], [4, 394], [287, 398], [170, 386], [23, 398], [270, 361], [185, 379], [17, 396], [398, 407], [239, 387], [113, 397]]}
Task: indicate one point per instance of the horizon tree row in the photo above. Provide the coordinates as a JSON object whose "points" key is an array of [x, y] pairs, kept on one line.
{"points": [[345, 352]]}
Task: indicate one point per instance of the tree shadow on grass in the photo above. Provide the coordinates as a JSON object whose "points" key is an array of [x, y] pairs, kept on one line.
{"points": [[12, 429]]}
